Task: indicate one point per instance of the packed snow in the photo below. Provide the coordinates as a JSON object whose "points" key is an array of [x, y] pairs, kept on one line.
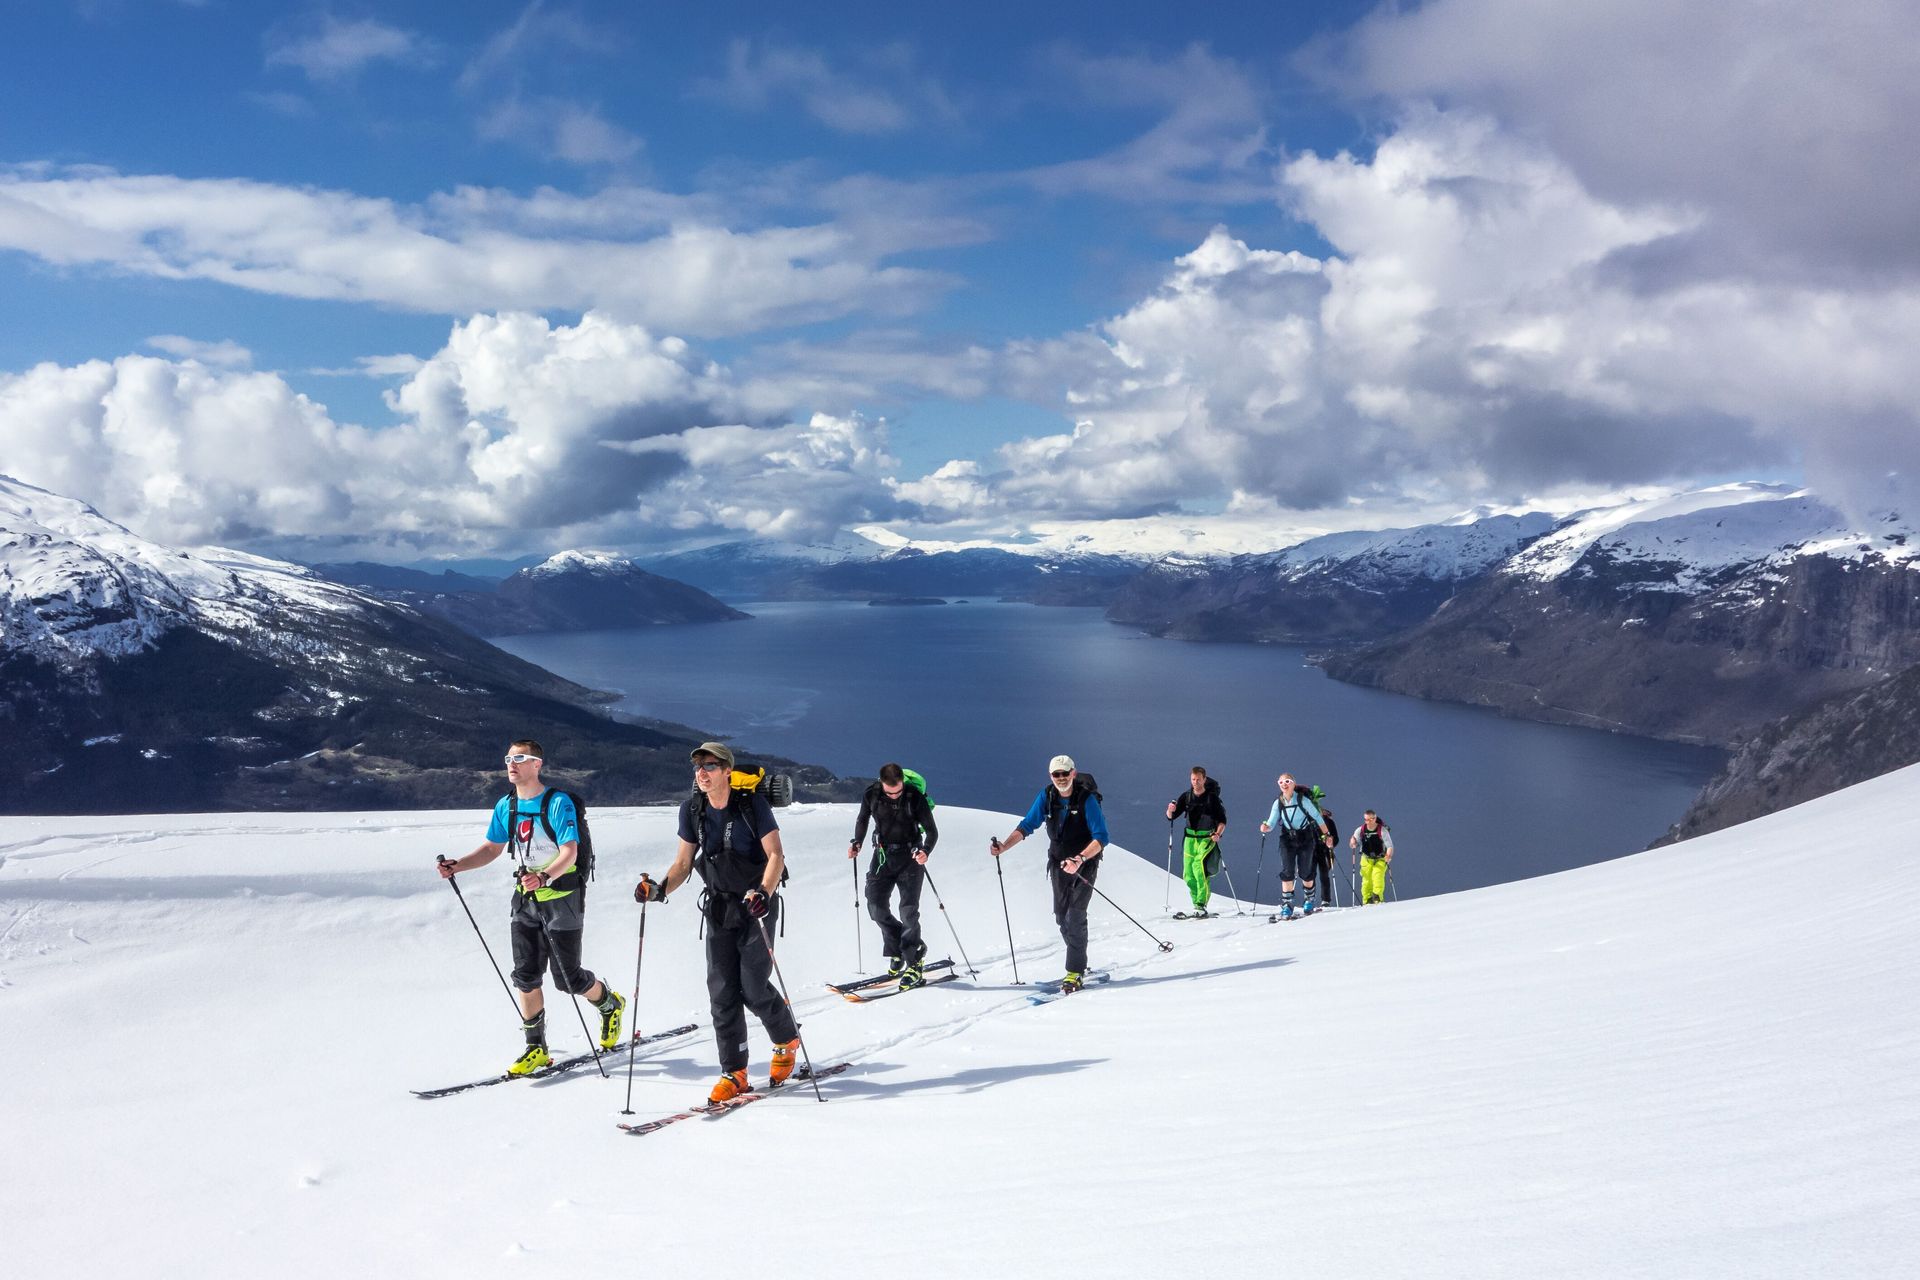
{"points": [[1703, 1060]]}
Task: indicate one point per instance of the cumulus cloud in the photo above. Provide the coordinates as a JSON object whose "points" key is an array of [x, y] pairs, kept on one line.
{"points": [[1470, 341], [1785, 125], [517, 435], [333, 49], [884, 91], [458, 253]]}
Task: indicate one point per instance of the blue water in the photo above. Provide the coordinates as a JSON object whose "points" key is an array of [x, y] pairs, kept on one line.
{"points": [[979, 696]]}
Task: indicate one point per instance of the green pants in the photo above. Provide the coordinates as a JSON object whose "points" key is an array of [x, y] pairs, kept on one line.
{"points": [[1373, 878], [1199, 888]]}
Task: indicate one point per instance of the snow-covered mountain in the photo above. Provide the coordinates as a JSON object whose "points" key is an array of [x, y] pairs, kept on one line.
{"points": [[138, 676], [1640, 1068], [1340, 587], [1702, 616]]}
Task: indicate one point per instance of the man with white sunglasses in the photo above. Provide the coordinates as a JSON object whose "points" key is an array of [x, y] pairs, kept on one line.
{"points": [[549, 901]]}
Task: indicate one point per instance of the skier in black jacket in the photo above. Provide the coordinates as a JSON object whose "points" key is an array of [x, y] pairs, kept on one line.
{"points": [[1206, 823], [903, 835]]}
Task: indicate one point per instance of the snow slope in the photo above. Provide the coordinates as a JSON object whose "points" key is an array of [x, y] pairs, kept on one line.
{"points": [[1683, 1063]]}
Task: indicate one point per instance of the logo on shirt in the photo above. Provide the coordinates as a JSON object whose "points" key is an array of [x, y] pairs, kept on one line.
{"points": [[526, 830]]}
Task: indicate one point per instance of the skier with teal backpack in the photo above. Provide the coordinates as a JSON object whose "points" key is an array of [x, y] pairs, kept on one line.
{"points": [[904, 834]]}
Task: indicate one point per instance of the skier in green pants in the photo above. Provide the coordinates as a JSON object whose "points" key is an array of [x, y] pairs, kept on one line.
{"points": [[1206, 823]]}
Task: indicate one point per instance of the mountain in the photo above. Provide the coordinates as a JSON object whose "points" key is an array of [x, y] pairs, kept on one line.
{"points": [[852, 567], [1343, 587], [1700, 617], [215, 1022], [571, 591], [136, 677], [1843, 741]]}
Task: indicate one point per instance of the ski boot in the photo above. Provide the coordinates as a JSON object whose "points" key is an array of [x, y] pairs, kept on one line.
{"points": [[1072, 982], [895, 966], [913, 976], [729, 1086], [612, 1006], [1286, 907], [531, 1061], [1311, 905], [782, 1068]]}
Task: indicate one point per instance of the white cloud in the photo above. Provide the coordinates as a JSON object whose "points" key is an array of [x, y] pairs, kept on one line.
{"points": [[459, 253], [1785, 125], [517, 435], [885, 91], [332, 49], [226, 354], [566, 130]]}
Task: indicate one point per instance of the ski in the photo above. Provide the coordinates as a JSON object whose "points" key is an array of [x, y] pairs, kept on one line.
{"points": [[861, 984], [1050, 989], [1195, 915], [558, 1067], [732, 1104], [868, 997]]}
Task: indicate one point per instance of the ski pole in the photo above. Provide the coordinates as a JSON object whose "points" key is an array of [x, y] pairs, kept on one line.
{"points": [[1230, 889], [1011, 954], [971, 971], [640, 954], [762, 925], [1166, 899], [859, 948], [455, 882], [1258, 868], [1390, 889], [593, 1041], [1164, 946]]}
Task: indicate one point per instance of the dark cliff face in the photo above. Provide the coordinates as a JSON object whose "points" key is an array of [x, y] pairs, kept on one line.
{"points": [[1614, 647], [1799, 758]]}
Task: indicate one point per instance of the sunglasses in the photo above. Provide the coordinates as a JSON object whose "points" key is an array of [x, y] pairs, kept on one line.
{"points": [[1064, 773], [520, 757], [708, 766]]}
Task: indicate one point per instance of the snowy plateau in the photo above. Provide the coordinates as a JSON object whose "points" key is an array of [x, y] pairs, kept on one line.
{"points": [[1688, 1062]]}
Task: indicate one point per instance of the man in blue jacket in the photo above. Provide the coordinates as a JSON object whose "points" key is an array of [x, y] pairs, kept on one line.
{"points": [[1069, 808]]}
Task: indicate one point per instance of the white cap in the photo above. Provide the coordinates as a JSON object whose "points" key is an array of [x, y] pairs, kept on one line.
{"points": [[1060, 762]]}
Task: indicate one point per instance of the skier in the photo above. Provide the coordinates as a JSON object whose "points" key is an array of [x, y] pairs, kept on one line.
{"points": [[732, 839], [549, 902], [1324, 857], [903, 835], [1295, 813], [1206, 823], [1375, 844], [1069, 808]]}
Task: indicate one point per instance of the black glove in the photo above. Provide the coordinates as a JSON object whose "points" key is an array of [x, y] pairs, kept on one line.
{"points": [[445, 866], [649, 890], [756, 903]]}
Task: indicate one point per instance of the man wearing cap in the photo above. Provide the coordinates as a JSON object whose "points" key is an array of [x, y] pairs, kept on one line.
{"points": [[732, 839], [1076, 833]]}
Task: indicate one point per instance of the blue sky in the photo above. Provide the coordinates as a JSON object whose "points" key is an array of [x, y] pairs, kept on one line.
{"points": [[384, 279]]}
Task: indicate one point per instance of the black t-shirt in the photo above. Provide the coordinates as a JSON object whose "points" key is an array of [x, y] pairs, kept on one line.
{"points": [[730, 857]]}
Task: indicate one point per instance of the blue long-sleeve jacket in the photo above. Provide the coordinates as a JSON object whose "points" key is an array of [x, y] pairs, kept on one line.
{"points": [[1096, 820], [1297, 813]]}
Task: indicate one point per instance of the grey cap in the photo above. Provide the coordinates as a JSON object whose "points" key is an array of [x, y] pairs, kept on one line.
{"points": [[1060, 763], [719, 751]]}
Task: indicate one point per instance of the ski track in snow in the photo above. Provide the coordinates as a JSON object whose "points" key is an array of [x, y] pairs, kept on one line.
{"points": [[1637, 1068]]}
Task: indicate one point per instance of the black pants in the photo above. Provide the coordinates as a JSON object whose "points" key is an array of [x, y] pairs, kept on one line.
{"points": [[1323, 858], [531, 954], [739, 978], [895, 869], [1298, 853], [1070, 899]]}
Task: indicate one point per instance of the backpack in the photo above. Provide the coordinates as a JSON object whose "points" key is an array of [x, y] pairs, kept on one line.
{"points": [[918, 783], [744, 783], [581, 871], [1082, 784]]}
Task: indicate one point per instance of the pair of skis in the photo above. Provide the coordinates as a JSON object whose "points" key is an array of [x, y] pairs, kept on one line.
{"points": [[560, 1066], [1054, 988], [879, 987], [714, 1109]]}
